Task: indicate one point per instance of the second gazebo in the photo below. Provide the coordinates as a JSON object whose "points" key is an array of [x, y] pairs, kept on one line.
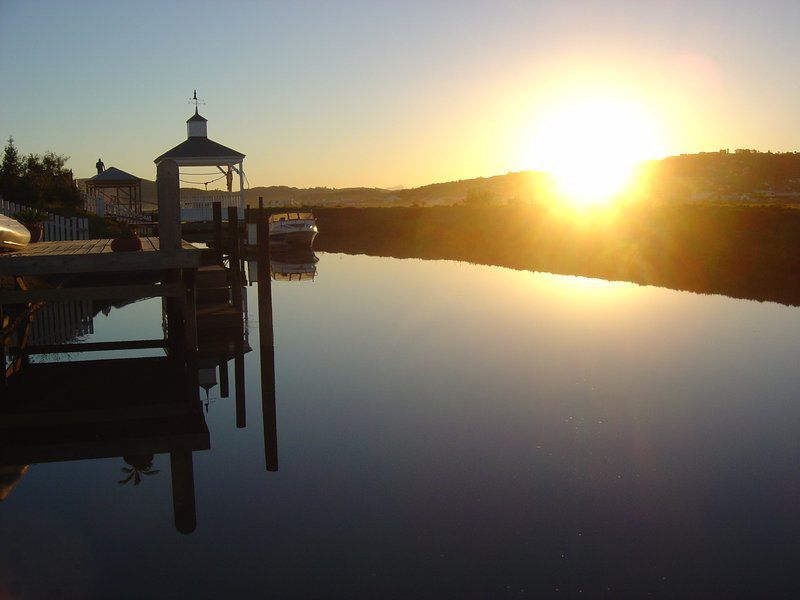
{"points": [[116, 186]]}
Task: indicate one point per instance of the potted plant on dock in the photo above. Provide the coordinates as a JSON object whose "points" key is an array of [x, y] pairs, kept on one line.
{"points": [[128, 240], [33, 219]]}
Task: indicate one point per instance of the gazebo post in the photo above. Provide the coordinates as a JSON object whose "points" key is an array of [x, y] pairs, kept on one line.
{"points": [[241, 187]]}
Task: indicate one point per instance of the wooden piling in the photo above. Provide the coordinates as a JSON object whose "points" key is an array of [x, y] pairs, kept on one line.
{"points": [[190, 309], [233, 256], [216, 208], [169, 205], [183, 502], [169, 238], [264, 283]]}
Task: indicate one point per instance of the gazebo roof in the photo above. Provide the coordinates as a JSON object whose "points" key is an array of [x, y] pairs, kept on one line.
{"points": [[200, 148], [196, 117], [114, 175]]}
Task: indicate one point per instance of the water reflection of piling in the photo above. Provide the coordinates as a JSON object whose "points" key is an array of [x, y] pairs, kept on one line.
{"points": [[223, 378], [238, 369], [183, 503], [234, 257], [2, 356], [267, 349]]}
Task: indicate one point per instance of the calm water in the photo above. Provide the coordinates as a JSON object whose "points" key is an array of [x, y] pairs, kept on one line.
{"points": [[448, 430]]}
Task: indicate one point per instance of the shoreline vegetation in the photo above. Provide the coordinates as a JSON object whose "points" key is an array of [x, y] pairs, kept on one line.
{"points": [[741, 252]]}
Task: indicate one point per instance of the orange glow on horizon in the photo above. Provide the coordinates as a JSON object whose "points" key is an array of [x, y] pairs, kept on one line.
{"points": [[590, 142]]}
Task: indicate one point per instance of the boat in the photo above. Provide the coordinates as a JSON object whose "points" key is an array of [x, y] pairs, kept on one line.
{"points": [[293, 266], [295, 230], [287, 265], [13, 234]]}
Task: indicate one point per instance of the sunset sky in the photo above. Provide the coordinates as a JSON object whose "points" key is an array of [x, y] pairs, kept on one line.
{"points": [[395, 93]]}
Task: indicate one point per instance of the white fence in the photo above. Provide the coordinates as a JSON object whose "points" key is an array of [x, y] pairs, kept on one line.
{"points": [[56, 227], [200, 208]]}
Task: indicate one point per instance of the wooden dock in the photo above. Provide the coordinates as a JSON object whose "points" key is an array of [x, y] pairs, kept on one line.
{"points": [[173, 276], [95, 256], [131, 407]]}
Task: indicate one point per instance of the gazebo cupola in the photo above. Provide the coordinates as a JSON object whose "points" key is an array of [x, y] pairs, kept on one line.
{"points": [[197, 125], [200, 151]]}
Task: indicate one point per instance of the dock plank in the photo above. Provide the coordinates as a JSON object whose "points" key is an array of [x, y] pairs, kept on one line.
{"points": [[94, 256], [61, 294], [95, 244]]}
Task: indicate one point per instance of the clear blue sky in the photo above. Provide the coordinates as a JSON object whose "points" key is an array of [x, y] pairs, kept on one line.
{"points": [[384, 93]]}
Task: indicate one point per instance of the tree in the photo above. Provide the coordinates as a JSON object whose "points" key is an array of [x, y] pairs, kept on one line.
{"points": [[37, 181], [10, 170], [12, 165]]}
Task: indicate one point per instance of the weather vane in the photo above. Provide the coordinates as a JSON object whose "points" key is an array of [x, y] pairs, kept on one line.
{"points": [[196, 101]]}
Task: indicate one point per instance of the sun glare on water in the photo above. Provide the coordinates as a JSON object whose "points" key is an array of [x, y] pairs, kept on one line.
{"points": [[590, 146]]}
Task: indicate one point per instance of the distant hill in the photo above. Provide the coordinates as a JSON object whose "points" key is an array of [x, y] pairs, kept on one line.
{"points": [[501, 188], [512, 187], [281, 195], [742, 175]]}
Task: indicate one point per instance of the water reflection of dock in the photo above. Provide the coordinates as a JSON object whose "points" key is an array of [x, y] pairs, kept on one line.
{"points": [[61, 322], [66, 411], [135, 408]]}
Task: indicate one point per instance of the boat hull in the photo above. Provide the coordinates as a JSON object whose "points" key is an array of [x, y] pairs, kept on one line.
{"points": [[13, 234], [296, 240]]}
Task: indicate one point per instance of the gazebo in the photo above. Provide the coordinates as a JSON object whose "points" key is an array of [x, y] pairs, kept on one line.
{"points": [[117, 186], [200, 151]]}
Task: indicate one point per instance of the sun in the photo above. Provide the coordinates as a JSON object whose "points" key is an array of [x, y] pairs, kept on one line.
{"points": [[590, 146]]}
